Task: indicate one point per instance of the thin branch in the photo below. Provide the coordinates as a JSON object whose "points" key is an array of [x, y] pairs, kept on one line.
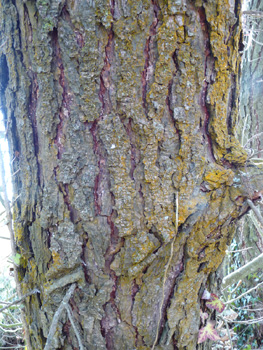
{"points": [[243, 271], [256, 224], [252, 321], [11, 330], [11, 325], [253, 137], [255, 211], [243, 130], [18, 301], [238, 250], [257, 42], [252, 13], [254, 153], [1, 237], [228, 331], [14, 347], [53, 327], [243, 294], [70, 316]]}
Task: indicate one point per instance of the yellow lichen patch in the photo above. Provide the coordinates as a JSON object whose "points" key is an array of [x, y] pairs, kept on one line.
{"points": [[123, 298], [57, 262], [188, 206], [237, 154], [218, 177]]}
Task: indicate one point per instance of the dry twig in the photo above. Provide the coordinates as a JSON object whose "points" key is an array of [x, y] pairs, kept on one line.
{"points": [[56, 317]]}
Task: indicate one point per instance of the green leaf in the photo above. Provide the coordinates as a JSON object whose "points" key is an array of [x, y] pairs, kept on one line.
{"points": [[248, 347], [16, 259], [208, 332], [215, 303]]}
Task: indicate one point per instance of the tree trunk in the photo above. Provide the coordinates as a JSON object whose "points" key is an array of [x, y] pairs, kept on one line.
{"points": [[120, 114]]}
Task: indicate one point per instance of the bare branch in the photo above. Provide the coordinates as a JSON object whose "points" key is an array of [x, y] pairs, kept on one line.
{"points": [[70, 316], [243, 294], [255, 211], [243, 271], [253, 137], [56, 317], [11, 325], [11, 330], [253, 13], [238, 250], [14, 347], [20, 299], [2, 237], [228, 331]]}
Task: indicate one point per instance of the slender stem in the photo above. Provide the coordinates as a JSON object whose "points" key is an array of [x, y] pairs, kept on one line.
{"points": [[20, 299], [1, 237], [253, 13], [56, 317], [256, 211], [70, 316], [228, 332], [243, 294]]}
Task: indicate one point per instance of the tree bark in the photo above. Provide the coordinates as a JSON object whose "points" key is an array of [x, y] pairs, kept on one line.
{"points": [[114, 109]]}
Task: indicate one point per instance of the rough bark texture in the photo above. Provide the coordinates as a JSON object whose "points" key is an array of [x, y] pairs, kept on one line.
{"points": [[112, 107]]}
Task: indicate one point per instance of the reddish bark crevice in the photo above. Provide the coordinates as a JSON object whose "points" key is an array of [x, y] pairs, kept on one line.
{"points": [[32, 112], [64, 110], [104, 96], [66, 331], [231, 104], [84, 265], [105, 83], [112, 9], [170, 286], [169, 102], [72, 212], [107, 320], [134, 291], [135, 152], [102, 165], [203, 102]]}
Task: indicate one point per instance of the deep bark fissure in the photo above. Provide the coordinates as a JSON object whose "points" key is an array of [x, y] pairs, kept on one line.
{"points": [[104, 93], [149, 66], [231, 105], [172, 283], [28, 24], [4, 79], [32, 114], [64, 109], [135, 151], [207, 80]]}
